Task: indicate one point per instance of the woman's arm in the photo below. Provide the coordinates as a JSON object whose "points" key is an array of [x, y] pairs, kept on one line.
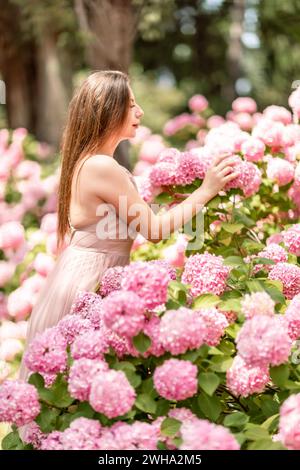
{"points": [[110, 183]]}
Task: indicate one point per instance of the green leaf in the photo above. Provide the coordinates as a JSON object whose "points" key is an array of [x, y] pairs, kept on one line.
{"points": [[259, 260], [240, 217], [85, 408], [62, 397], [210, 406], [164, 198], [254, 432], [232, 228], [231, 304], [170, 427], [37, 380], [205, 301], [270, 422], [266, 444], [233, 261], [124, 365], [141, 342], [280, 374], [162, 407], [172, 305], [221, 363], [58, 393], [133, 378], [130, 372], [12, 441], [269, 406], [145, 403], [47, 419], [209, 382], [214, 203], [191, 355], [236, 420], [254, 286]]}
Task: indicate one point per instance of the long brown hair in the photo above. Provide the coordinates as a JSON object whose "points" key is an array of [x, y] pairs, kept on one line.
{"points": [[96, 111]]}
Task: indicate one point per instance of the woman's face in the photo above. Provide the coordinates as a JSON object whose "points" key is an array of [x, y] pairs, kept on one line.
{"points": [[134, 116]]}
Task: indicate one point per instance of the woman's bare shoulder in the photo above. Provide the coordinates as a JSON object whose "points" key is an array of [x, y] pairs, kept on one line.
{"points": [[102, 165]]}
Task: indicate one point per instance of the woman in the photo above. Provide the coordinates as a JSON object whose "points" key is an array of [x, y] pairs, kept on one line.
{"points": [[102, 113]]}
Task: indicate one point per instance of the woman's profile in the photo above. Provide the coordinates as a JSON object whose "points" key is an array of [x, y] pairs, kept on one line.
{"points": [[102, 113]]}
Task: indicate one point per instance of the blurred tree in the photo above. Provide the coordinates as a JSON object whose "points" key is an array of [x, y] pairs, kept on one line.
{"points": [[36, 64], [17, 67]]}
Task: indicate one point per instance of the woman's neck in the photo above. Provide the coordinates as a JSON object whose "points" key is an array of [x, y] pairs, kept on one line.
{"points": [[108, 148]]}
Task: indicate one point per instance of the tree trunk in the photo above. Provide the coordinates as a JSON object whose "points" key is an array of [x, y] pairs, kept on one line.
{"points": [[17, 69], [53, 91], [235, 50]]}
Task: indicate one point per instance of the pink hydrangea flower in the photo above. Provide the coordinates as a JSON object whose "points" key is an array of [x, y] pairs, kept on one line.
{"points": [[274, 252], [270, 132], [88, 305], [91, 345], [7, 270], [244, 380], [200, 434], [112, 394], [181, 330], [182, 120], [263, 341], [257, 303], [20, 303], [253, 149], [294, 103], [123, 312], [182, 414], [176, 379], [278, 113], [275, 238], [49, 223], [206, 273], [81, 376], [291, 238], [198, 103], [52, 441], [111, 280], [289, 275], [244, 104], [43, 264], [71, 326], [289, 422], [152, 329], [215, 323], [164, 264], [123, 436], [294, 193], [33, 435], [148, 281], [47, 352], [151, 147], [292, 318], [279, 170], [83, 434], [19, 402], [12, 235], [248, 179]]}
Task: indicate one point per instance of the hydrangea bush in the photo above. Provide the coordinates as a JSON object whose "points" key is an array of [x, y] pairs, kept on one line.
{"points": [[195, 349]]}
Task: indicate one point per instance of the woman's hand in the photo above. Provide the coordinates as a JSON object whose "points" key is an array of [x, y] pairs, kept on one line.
{"points": [[218, 175]]}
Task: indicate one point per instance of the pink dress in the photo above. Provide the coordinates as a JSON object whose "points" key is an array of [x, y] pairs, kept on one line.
{"points": [[80, 267]]}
